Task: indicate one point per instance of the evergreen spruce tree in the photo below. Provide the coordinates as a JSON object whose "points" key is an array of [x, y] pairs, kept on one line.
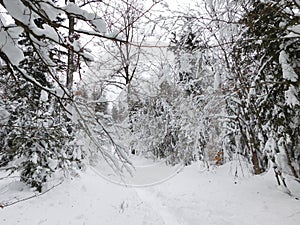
{"points": [[265, 101], [37, 138]]}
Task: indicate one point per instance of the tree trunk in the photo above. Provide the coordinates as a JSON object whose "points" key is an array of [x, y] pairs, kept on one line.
{"points": [[289, 162], [71, 64], [255, 162]]}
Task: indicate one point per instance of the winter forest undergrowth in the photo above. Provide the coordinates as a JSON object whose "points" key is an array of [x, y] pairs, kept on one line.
{"points": [[140, 97]]}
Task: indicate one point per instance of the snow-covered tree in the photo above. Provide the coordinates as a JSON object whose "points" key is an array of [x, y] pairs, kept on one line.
{"points": [[265, 102], [122, 64], [39, 55], [37, 138]]}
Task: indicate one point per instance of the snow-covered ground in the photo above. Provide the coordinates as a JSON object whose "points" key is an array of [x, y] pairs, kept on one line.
{"points": [[194, 196]]}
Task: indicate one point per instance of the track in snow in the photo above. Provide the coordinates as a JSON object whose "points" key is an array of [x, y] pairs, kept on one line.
{"points": [[157, 205]]}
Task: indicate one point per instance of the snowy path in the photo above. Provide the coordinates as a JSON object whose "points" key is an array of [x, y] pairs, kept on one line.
{"points": [[192, 197], [159, 207]]}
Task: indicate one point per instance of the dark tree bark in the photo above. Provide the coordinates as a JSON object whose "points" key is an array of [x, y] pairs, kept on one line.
{"points": [[71, 63]]}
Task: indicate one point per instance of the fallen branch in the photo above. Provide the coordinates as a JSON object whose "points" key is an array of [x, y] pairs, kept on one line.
{"points": [[3, 205]]}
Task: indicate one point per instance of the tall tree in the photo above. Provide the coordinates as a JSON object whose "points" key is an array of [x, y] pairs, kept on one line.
{"points": [[71, 64], [122, 63], [266, 82]]}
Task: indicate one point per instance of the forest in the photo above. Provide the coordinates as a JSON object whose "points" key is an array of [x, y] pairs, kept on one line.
{"points": [[89, 82]]}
